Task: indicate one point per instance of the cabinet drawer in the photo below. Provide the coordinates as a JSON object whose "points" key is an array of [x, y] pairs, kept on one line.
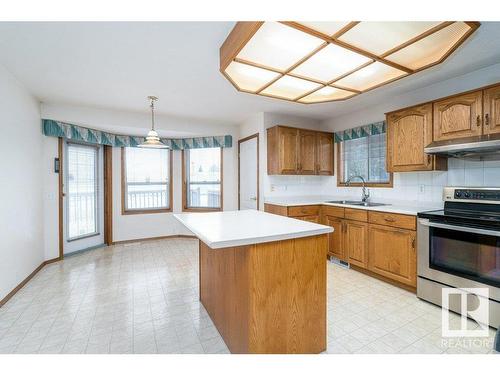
{"points": [[358, 215], [275, 209], [312, 219], [332, 211], [392, 220], [303, 211]]}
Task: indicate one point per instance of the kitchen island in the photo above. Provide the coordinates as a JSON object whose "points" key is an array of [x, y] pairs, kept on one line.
{"points": [[263, 279]]}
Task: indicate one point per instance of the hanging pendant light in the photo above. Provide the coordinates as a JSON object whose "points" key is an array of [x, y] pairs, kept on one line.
{"points": [[152, 139]]}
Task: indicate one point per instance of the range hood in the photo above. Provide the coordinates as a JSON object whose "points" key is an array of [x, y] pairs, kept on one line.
{"points": [[484, 147]]}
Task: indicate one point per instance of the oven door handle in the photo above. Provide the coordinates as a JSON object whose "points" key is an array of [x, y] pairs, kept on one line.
{"points": [[459, 228]]}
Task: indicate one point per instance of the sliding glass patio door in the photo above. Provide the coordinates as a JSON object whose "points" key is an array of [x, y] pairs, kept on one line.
{"points": [[83, 213]]}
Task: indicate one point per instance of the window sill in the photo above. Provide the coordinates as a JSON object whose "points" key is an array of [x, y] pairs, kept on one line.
{"points": [[368, 184], [147, 211], [201, 209]]}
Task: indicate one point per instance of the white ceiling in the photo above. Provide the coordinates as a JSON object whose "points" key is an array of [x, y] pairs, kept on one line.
{"points": [[116, 65]]}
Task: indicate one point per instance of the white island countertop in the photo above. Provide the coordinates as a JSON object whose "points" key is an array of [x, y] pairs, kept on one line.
{"points": [[238, 228]]}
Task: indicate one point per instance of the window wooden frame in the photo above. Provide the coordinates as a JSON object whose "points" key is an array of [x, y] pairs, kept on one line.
{"points": [[126, 211], [340, 175], [185, 206]]}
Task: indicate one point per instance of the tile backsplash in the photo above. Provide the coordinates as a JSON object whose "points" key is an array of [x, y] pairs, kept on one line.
{"points": [[411, 186]]}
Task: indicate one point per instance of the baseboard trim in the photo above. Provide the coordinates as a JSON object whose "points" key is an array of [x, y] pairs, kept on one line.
{"points": [[25, 281], [155, 238]]}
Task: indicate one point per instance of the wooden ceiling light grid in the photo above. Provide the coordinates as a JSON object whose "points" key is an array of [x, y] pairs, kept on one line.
{"points": [[243, 32]]}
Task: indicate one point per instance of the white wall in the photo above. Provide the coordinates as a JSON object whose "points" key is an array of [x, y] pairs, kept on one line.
{"points": [[21, 219], [417, 187], [259, 123], [129, 227]]}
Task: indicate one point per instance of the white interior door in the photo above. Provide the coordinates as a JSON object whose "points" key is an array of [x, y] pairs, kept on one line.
{"points": [[249, 178], [83, 199]]}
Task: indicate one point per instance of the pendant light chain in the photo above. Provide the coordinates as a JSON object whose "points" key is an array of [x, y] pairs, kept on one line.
{"points": [[152, 98]]}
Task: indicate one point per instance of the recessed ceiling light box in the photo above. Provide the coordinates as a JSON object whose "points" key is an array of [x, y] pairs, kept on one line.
{"points": [[315, 62]]}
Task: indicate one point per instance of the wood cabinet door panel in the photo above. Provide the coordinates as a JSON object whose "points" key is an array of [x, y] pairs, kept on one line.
{"points": [[408, 132], [307, 152], [335, 239], [492, 110], [288, 150], [457, 117], [324, 154], [356, 242], [392, 253]]}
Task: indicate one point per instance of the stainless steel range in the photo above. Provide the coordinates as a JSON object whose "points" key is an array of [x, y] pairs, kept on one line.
{"points": [[459, 247]]}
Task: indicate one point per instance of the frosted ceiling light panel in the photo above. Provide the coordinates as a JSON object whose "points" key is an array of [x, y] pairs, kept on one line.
{"points": [[290, 87], [326, 28], [380, 37], [249, 78], [313, 62], [278, 46], [370, 76], [326, 94], [430, 49], [329, 63]]}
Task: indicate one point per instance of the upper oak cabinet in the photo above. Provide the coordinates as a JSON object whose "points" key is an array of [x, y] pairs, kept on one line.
{"points": [[307, 152], [491, 109], [292, 151], [324, 153], [458, 116], [408, 132], [285, 154]]}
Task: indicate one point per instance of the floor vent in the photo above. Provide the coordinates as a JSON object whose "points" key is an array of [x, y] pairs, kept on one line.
{"points": [[339, 262]]}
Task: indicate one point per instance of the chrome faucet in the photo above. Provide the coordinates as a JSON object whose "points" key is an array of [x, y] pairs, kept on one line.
{"points": [[366, 193]]}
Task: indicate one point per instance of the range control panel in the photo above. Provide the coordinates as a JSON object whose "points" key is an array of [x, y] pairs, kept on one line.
{"points": [[472, 194]]}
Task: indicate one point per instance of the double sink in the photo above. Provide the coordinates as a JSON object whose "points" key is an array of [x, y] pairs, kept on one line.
{"points": [[359, 203]]}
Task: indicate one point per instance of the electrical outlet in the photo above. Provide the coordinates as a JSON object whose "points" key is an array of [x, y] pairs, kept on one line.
{"points": [[422, 189]]}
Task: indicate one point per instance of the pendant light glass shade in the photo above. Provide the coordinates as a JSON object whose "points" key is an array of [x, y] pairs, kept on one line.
{"points": [[152, 139]]}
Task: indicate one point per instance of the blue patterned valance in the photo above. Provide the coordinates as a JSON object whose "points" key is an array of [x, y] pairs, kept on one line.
{"points": [[79, 133], [360, 132]]}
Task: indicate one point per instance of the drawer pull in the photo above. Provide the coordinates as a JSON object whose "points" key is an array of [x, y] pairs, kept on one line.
{"points": [[389, 219]]}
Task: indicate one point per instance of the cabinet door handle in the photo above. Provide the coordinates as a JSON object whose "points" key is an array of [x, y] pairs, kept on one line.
{"points": [[413, 243], [487, 119], [478, 120]]}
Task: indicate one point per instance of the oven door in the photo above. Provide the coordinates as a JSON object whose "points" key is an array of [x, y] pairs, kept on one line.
{"points": [[459, 256]]}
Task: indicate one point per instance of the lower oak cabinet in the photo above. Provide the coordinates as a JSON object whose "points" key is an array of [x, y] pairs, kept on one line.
{"points": [[383, 243], [392, 253], [356, 242], [335, 239], [312, 219]]}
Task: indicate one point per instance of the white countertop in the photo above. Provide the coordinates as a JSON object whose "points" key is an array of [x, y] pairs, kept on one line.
{"points": [[399, 207], [238, 228]]}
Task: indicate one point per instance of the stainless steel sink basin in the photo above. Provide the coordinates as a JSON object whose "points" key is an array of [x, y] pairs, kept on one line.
{"points": [[359, 203]]}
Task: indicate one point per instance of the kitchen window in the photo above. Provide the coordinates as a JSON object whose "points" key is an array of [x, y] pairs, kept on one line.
{"points": [[363, 156], [146, 180], [202, 176]]}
